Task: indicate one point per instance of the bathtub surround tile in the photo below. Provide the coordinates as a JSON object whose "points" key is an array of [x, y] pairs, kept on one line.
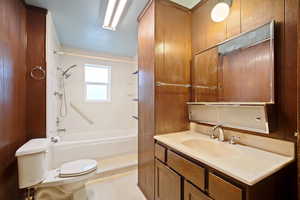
{"points": [[53, 62], [264, 143], [107, 116]]}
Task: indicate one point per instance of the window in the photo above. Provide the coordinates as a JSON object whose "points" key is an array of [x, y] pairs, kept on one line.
{"points": [[97, 82]]}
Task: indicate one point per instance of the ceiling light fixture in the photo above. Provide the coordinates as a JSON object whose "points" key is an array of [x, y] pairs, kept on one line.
{"points": [[221, 10], [114, 11]]}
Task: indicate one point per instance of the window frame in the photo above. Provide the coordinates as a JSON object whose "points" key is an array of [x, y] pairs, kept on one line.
{"points": [[108, 84]]}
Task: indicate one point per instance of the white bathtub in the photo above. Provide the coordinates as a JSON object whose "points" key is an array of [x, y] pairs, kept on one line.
{"points": [[93, 146]]}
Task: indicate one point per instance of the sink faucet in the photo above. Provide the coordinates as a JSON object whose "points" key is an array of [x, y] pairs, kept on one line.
{"points": [[221, 132]]}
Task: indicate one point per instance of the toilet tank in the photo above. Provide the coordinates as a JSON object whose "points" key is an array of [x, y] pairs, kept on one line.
{"points": [[32, 162]]}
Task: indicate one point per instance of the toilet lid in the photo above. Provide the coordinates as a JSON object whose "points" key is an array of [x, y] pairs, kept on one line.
{"points": [[77, 168]]}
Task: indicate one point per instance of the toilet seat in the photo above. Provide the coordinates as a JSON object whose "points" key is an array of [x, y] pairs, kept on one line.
{"points": [[77, 168]]}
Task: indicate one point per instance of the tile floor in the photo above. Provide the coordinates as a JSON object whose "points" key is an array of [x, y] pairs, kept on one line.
{"points": [[116, 187]]}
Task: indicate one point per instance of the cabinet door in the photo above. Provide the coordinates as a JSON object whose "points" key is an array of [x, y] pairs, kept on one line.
{"points": [[205, 76], [205, 32], [167, 183], [193, 193], [233, 21], [220, 189], [173, 43], [256, 12], [171, 114]]}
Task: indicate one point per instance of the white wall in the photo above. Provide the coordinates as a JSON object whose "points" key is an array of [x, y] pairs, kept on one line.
{"points": [[113, 115], [53, 61]]}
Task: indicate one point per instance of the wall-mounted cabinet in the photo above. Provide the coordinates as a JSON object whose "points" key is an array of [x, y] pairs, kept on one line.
{"points": [[205, 76], [254, 13], [205, 32], [246, 15], [240, 69]]}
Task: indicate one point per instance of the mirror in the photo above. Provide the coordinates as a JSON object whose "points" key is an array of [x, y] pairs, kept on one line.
{"points": [[240, 69]]}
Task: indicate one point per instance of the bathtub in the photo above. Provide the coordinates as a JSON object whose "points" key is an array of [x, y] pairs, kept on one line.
{"points": [[93, 146]]}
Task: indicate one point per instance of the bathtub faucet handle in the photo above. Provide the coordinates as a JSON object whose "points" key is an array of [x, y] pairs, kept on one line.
{"points": [[61, 130], [54, 139]]}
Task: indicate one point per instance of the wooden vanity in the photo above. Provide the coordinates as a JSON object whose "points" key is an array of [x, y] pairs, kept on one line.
{"points": [[180, 177], [179, 62]]}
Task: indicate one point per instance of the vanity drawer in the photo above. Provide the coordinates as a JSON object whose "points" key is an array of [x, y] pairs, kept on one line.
{"points": [[188, 169], [193, 193], [160, 152], [220, 189]]}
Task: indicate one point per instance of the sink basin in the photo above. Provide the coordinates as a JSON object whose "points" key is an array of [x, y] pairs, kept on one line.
{"points": [[211, 148]]}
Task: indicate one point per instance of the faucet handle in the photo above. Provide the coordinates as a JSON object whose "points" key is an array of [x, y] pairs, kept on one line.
{"points": [[212, 135], [233, 139]]}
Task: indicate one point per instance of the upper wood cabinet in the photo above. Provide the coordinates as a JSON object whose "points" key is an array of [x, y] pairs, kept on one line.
{"points": [[205, 32], [173, 43], [233, 21], [257, 12], [244, 16]]}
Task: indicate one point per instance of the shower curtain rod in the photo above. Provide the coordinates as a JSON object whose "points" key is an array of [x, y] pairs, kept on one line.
{"points": [[94, 57]]}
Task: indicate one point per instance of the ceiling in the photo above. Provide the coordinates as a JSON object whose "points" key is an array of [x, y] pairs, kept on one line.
{"points": [[187, 3], [79, 24]]}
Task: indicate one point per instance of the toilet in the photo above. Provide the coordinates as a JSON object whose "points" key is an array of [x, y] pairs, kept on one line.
{"points": [[49, 184]]}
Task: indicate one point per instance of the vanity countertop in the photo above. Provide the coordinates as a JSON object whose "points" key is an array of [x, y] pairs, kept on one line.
{"points": [[246, 164]]}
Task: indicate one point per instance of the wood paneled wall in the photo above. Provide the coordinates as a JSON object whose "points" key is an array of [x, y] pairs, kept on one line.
{"points": [[22, 41], [246, 15], [36, 56], [12, 92], [146, 59]]}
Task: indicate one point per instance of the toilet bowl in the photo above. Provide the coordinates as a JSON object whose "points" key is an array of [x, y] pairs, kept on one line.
{"points": [[57, 184]]}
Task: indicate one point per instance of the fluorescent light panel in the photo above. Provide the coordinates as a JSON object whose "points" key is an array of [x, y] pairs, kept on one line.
{"points": [[114, 11]]}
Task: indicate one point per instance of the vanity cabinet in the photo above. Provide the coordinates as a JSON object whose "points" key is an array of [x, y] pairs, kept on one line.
{"points": [[183, 178]]}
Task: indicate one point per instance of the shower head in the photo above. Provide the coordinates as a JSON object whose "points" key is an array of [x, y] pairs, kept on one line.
{"points": [[65, 73]]}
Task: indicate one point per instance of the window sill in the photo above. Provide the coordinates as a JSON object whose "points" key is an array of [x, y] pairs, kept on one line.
{"points": [[97, 101]]}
